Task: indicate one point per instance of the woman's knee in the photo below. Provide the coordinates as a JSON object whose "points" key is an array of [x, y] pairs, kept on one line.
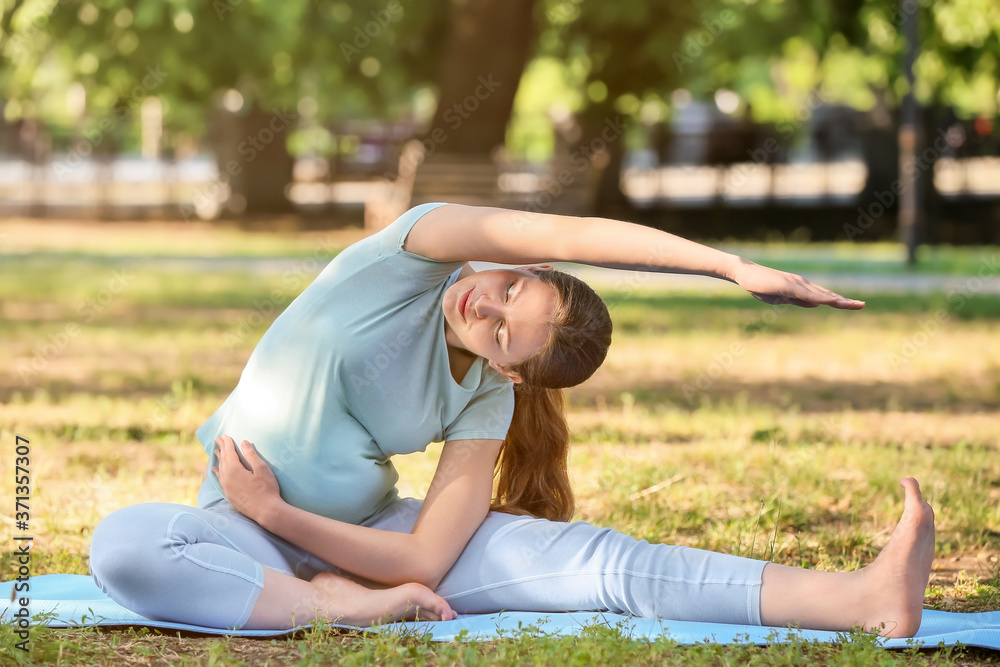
{"points": [[124, 547]]}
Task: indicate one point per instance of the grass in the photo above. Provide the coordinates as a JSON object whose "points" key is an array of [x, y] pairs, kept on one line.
{"points": [[595, 645], [717, 422], [879, 258], [284, 238]]}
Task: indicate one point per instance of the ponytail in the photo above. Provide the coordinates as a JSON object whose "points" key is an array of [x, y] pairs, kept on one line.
{"points": [[531, 469]]}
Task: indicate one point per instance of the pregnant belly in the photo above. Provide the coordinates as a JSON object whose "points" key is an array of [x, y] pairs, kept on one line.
{"points": [[345, 489], [324, 460]]}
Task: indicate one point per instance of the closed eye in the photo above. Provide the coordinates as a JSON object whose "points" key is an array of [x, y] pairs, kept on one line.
{"points": [[506, 298]]}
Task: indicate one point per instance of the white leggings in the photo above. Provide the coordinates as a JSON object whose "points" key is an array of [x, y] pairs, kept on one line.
{"points": [[204, 566]]}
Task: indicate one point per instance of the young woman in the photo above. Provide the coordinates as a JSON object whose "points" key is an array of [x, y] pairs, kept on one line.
{"points": [[399, 343]]}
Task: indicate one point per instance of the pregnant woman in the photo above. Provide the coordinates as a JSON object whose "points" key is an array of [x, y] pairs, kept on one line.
{"points": [[399, 343]]}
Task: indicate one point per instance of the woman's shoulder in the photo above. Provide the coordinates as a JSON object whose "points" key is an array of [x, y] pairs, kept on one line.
{"points": [[392, 239]]}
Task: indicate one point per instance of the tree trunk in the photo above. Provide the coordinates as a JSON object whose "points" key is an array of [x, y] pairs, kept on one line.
{"points": [[604, 139], [253, 159], [488, 48]]}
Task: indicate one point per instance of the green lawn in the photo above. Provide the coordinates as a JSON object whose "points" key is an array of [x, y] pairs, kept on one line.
{"points": [[717, 422]]}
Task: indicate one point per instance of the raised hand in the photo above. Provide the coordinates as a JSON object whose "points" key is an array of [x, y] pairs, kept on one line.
{"points": [[252, 491], [774, 287]]}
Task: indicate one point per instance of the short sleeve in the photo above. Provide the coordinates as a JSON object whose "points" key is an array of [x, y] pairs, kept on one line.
{"points": [[487, 416], [392, 238]]}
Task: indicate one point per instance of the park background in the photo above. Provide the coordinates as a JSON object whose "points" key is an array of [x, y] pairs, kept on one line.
{"points": [[173, 174]]}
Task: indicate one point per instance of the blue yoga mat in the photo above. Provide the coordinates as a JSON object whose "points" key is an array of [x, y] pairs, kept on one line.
{"points": [[76, 601]]}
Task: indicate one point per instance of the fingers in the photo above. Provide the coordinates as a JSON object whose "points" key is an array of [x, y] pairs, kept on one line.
{"points": [[226, 447], [849, 304], [826, 297], [249, 450], [220, 449], [837, 301], [832, 300]]}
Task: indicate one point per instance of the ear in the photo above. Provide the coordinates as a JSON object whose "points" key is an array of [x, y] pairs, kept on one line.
{"points": [[511, 375]]}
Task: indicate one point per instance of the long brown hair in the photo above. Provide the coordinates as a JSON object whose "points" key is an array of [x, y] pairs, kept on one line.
{"points": [[531, 469]]}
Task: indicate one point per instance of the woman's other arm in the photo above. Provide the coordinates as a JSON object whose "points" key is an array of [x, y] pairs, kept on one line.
{"points": [[457, 501], [480, 233]]}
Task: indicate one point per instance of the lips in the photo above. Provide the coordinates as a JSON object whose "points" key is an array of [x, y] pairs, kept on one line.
{"points": [[463, 303]]}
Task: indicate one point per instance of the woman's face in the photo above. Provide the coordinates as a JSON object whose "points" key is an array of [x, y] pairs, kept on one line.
{"points": [[500, 315]]}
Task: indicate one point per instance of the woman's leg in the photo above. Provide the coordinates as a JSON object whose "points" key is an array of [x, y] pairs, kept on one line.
{"points": [[887, 593], [183, 564], [520, 563], [214, 567]]}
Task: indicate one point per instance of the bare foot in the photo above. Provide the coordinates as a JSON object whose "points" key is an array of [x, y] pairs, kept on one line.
{"points": [[896, 581], [353, 604]]}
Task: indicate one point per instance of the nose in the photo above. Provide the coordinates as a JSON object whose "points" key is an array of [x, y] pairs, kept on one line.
{"points": [[487, 307]]}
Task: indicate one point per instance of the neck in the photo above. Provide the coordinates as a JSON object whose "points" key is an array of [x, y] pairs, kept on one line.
{"points": [[460, 361]]}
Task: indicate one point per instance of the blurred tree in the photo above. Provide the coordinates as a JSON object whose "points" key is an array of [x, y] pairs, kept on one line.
{"points": [[251, 69], [240, 70], [236, 70], [784, 58], [854, 48], [486, 50], [625, 51]]}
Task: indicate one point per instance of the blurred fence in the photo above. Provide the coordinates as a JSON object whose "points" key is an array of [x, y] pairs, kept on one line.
{"points": [[830, 169], [138, 186]]}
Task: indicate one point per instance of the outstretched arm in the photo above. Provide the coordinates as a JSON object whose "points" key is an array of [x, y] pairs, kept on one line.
{"points": [[480, 233], [457, 502]]}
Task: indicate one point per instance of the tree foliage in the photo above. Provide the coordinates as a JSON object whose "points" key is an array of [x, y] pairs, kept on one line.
{"points": [[353, 58], [855, 49], [368, 58]]}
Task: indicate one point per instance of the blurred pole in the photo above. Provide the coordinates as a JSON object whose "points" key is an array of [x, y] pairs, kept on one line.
{"points": [[910, 139], [151, 131], [151, 113]]}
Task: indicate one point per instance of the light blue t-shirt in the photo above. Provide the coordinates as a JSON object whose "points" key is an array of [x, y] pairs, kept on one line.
{"points": [[355, 370]]}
